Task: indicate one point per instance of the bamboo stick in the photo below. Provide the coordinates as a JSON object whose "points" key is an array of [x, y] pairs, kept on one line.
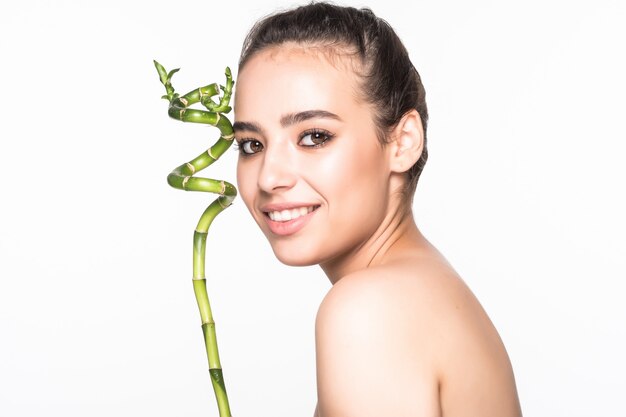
{"points": [[182, 177]]}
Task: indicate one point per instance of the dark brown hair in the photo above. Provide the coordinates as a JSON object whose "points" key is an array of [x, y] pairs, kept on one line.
{"points": [[390, 81]]}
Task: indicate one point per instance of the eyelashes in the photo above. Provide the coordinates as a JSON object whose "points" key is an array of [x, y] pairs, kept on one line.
{"points": [[247, 147], [316, 138], [312, 138]]}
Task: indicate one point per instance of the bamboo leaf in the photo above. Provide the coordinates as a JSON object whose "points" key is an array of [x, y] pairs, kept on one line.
{"points": [[162, 72], [172, 72]]}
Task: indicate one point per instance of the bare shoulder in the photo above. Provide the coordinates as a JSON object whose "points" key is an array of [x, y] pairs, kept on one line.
{"points": [[409, 338], [367, 362]]}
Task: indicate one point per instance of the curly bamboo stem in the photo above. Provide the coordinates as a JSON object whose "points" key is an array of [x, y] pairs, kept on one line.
{"points": [[182, 177]]}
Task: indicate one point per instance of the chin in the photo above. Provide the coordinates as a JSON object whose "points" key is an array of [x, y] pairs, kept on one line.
{"points": [[295, 260], [293, 257]]}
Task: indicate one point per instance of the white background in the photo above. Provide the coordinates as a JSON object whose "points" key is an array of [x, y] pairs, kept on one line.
{"points": [[523, 192]]}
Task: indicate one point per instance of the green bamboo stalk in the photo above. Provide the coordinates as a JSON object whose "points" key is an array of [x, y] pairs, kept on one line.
{"points": [[182, 177]]}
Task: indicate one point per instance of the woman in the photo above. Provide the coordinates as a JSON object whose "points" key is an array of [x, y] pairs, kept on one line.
{"points": [[330, 119]]}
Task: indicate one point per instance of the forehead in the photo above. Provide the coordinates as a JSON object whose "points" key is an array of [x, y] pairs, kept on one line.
{"points": [[293, 75]]}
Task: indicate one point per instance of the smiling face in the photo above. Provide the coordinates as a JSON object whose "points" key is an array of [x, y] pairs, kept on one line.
{"points": [[311, 170]]}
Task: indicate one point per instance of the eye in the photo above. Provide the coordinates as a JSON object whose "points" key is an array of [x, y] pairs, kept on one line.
{"points": [[315, 138], [249, 147]]}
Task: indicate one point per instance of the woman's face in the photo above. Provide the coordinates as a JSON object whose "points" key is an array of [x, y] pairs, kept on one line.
{"points": [[311, 169]]}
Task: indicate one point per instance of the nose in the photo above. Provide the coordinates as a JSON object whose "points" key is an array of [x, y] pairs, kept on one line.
{"points": [[277, 170]]}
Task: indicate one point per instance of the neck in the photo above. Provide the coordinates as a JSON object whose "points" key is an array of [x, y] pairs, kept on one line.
{"points": [[396, 234]]}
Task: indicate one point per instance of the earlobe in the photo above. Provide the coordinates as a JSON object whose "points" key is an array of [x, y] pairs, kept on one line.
{"points": [[408, 142]]}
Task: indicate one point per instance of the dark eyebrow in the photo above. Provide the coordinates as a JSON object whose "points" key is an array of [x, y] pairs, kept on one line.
{"points": [[293, 118], [287, 120], [248, 126]]}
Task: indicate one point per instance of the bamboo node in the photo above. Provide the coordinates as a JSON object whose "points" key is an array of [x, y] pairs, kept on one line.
{"points": [[211, 155], [223, 189], [185, 181], [181, 113], [184, 101], [230, 136], [191, 168], [219, 201]]}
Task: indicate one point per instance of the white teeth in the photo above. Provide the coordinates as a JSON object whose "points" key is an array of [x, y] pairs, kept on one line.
{"points": [[286, 215]]}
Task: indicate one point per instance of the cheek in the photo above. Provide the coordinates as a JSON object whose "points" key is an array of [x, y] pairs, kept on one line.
{"points": [[246, 183], [352, 177], [363, 165]]}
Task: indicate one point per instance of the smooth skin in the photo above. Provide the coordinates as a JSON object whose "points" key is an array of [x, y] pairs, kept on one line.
{"points": [[399, 333]]}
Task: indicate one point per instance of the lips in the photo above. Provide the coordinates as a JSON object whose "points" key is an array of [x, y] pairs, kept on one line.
{"points": [[288, 218]]}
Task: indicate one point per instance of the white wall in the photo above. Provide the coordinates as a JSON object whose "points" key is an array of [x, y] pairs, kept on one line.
{"points": [[523, 192]]}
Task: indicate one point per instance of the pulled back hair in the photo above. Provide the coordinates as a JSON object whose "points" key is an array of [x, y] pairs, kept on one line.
{"points": [[390, 82]]}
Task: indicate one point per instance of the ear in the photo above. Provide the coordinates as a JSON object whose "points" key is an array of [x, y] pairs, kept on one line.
{"points": [[408, 142]]}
